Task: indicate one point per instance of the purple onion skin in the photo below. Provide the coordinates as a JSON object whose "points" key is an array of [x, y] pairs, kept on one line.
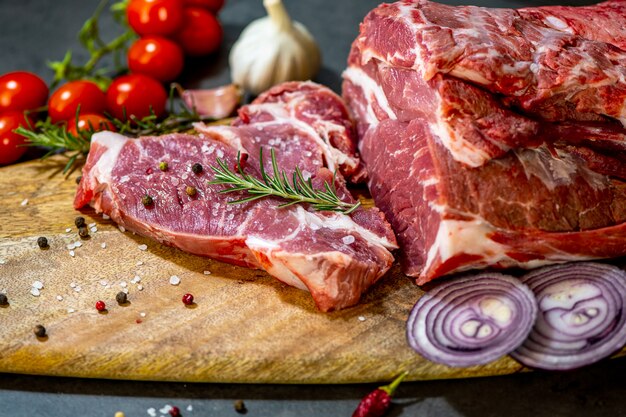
{"points": [[472, 320], [581, 315]]}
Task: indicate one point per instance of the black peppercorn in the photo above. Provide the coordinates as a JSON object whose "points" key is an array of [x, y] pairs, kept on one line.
{"points": [[163, 166], [79, 221], [83, 232], [196, 168], [121, 297], [191, 191], [80, 177], [4, 301], [40, 331], [42, 242], [147, 200], [240, 407]]}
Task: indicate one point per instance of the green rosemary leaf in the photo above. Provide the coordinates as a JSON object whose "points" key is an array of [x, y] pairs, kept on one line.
{"points": [[296, 191]]}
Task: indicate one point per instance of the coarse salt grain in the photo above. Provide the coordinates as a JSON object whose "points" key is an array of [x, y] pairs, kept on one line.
{"points": [[143, 247], [2, 261], [70, 246], [125, 290], [361, 318], [72, 284], [105, 217], [69, 229], [91, 224], [60, 297], [70, 310], [166, 409], [38, 285], [103, 245], [142, 314], [122, 229], [348, 239], [94, 229], [103, 282], [189, 408], [77, 288], [72, 253], [207, 272], [78, 244], [123, 284], [151, 412], [140, 287], [174, 280], [35, 292], [24, 202]]}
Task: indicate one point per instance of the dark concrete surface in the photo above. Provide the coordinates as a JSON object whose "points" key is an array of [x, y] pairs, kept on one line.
{"points": [[34, 31]]}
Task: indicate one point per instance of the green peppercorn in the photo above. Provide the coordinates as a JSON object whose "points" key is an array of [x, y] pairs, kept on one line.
{"points": [[83, 232], [121, 297], [42, 242], [39, 330], [196, 168], [4, 301], [163, 166], [240, 407], [80, 177], [79, 221], [147, 200], [191, 191]]}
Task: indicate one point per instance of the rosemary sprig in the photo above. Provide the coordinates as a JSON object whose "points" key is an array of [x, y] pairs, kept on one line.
{"points": [[297, 191]]}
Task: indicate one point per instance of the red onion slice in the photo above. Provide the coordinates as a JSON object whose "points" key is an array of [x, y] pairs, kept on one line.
{"points": [[581, 315], [472, 320]]}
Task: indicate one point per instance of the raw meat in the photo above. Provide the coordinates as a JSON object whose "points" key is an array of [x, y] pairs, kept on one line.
{"points": [[334, 256], [494, 137]]}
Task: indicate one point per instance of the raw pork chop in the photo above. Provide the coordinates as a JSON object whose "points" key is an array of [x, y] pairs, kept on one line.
{"points": [[334, 256], [494, 137]]}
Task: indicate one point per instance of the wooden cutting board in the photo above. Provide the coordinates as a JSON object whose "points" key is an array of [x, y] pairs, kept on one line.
{"points": [[244, 327]]}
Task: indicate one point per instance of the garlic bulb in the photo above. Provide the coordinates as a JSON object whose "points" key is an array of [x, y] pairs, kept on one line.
{"points": [[273, 49]]}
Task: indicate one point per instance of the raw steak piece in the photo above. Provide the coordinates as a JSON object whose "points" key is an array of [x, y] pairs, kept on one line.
{"points": [[494, 137], [334, 256]]}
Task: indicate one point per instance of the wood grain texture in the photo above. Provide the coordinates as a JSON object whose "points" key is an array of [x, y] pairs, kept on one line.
{"points": [[244, 327]]}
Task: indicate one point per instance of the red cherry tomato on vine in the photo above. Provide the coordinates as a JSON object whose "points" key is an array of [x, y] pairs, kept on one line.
{"points": [[156, 57], [21, 90], [64, 101], [136, 94], [155, 17], [201, 32], [10, 142], [90, 122], [213, 6]]}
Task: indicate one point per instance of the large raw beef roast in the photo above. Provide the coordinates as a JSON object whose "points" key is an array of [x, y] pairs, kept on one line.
{"points": [[494, 137], [333, 255]]}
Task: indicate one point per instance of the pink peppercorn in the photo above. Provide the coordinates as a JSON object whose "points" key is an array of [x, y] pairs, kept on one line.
{"points": [[100, 306], [188, 299]]}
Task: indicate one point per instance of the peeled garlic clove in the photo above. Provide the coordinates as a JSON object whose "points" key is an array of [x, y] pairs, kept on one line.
{"points": [[216, 103]]}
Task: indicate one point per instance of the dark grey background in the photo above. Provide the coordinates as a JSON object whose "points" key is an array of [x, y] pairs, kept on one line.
{"points": [[34, 31]]}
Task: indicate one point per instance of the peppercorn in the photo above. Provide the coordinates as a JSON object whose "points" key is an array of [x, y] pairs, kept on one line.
{"points": [[4, 301], [79, 221], [42, 242], [83, 232], [40, 331], [175, 411], [100, 306], [78, 179], [240, 407], [191, 191], [188, 299], [196, 168], [163, 166], [121, 297], [377, 402], [147, 200]]}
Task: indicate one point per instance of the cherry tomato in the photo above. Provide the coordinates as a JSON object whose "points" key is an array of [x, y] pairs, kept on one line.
{"points": [[156, 57], [213, 6], [21, 90], [155, 17], [201, 32], [136, 93], [89, 122], [66, 99], [10, 142]]}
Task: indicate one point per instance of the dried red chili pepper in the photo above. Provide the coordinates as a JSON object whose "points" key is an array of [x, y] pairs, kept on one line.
{"points": [[377, 402]]}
